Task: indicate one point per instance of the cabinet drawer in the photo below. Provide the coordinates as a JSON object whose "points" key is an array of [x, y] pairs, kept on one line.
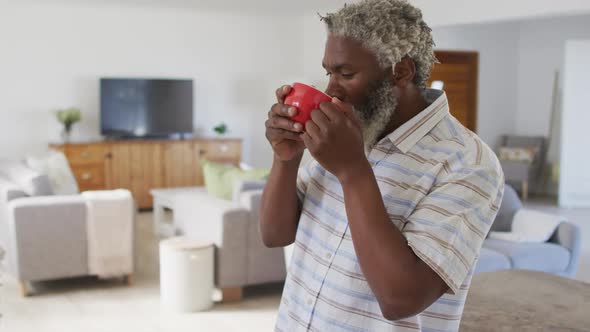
{"points": [[220, 151], [90, 177], [85, 154]]}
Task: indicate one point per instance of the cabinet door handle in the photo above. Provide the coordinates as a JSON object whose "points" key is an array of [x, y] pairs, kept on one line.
{"points": [[85, 154], [224, 148], [86, 176], [202, 152]]}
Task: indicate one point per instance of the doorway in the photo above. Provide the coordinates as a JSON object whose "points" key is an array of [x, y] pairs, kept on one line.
{"points": [[457, 75]]}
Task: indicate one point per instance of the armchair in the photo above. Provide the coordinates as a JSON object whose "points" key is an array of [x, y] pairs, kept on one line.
{"points": [[44, 236], [521, 172], [241, 259]]}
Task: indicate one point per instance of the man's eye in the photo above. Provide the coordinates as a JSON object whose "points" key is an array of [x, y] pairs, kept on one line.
{"points": [[348, 75], [328, 74]]}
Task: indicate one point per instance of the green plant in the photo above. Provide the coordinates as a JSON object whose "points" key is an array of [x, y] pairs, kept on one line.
{"points": [[221, 129], [68, 117]]}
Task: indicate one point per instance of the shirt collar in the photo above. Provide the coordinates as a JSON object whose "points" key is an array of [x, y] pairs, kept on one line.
{"points": [[408, 134]]}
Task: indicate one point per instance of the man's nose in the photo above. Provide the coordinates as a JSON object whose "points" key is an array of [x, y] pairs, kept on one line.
{"points": [[335, 90]]}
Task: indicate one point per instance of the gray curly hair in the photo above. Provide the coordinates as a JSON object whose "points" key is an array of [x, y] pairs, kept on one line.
{"points": [[392, 29]]}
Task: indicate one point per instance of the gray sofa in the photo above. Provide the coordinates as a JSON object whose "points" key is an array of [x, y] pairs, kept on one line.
{"points": [[559, 255], [44, 236]]}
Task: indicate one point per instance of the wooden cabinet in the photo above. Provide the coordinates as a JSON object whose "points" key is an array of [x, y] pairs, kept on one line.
{"points": [[136, 166], [87, 163], [89, 177], [222, 150], [143, 165], [180, 165]]}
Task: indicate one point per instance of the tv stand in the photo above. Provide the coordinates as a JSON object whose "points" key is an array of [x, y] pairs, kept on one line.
{"points": [[144, 164]]}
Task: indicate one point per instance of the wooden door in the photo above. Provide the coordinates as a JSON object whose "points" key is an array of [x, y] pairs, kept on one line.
{"points": [[458, 71], [180, 165]]}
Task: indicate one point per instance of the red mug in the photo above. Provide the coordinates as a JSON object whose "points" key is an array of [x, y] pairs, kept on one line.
{"points": [[305, 98]]}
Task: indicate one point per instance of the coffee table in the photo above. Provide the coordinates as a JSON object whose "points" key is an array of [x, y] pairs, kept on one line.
{"points": [[164, 198], [521, 300]]}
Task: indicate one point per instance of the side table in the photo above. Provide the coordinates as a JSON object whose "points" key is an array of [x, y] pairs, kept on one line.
{"points": [[164, 198]]}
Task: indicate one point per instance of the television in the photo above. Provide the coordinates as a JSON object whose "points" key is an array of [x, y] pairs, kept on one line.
{"points": [[136, 108]]}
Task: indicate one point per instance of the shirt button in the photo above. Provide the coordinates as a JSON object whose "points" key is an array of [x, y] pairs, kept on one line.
{"points": [[328, 255]]}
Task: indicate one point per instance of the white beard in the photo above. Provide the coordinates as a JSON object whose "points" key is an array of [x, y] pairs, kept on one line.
{"points": [[376, 114]]}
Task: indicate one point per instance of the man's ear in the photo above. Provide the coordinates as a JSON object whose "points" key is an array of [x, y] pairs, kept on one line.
{"points": [[404, 72]]}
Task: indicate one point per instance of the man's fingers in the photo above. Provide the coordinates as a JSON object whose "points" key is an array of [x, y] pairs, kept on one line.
{"points": [[282, 92], [307, 140], [282, 110], [331, 111], [347, 110], [278, 122], [313, 130], [320, 119], [276, 134], [342, 106]]}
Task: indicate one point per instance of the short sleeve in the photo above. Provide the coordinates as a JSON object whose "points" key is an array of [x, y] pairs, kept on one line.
{"points": [[303, 178], [447, 228]]}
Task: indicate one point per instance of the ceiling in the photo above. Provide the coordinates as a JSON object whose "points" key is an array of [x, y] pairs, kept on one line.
{"points": [[436, 12], [291, 6]]}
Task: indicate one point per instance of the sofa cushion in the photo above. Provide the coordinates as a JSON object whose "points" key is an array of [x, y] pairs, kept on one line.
{"points": [[546, 257], [508, 208], [490, 260], [55, 165], [220, 179], [31, 182]]}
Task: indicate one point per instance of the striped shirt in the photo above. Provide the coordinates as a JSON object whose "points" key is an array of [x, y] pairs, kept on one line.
{"points": [[441, 186]]}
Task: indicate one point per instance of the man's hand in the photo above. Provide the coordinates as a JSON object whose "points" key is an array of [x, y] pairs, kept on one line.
{"points": [[334, 138], [282, 132]]}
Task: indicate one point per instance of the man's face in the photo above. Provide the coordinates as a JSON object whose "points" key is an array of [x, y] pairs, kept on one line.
{"points": [[357, 78]]}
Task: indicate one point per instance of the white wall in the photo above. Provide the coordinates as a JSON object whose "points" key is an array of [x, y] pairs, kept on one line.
{"points": [[574, 184], [52, 56], [541, 53], [314, 36], [497, 45], [439, 13]]}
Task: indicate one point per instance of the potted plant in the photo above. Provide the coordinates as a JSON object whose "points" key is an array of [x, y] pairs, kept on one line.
{"points": [[67, 117], [220, 129]]}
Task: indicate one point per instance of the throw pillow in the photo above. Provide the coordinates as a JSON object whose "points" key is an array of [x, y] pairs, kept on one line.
{"points": [[220, 179], [530, 226], [55, 165], [517, 154], [33, 183], [10, 190], [215, 175]]}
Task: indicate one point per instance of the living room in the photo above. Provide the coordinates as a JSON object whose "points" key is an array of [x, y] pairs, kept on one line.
{"points": [[57, 54]]}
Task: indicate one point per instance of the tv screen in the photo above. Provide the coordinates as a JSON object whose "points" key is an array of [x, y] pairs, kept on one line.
{"points": [[145, 107]]}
